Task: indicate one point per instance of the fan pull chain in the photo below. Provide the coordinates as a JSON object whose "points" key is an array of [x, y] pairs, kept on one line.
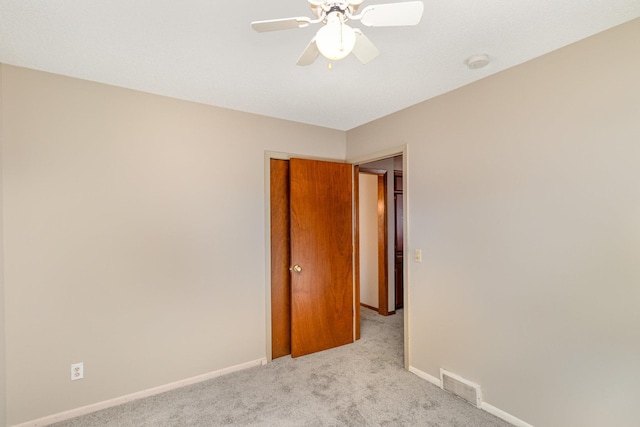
{"points": [[341, 34]]}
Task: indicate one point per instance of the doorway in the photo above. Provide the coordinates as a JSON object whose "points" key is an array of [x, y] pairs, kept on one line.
{"points": [[363, 159], [373, 239], [401, 155], [381, 200]]}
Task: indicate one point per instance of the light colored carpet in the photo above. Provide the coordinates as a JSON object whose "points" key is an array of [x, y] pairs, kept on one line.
{"points": [[362, 384]]}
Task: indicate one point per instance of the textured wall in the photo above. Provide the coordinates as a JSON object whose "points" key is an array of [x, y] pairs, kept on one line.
{"points": [[524, 197]]}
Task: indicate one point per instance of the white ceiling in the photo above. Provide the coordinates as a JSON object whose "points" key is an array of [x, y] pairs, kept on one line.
{"points": [[205, 51]]}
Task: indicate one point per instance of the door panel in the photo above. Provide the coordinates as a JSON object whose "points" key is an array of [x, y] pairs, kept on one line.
{"points": [[356, 246], [321, 244], [280, 256], [399, 240]]}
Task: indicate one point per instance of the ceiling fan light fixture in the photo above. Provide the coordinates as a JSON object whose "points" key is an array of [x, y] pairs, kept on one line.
{"points": [[336, 39]]}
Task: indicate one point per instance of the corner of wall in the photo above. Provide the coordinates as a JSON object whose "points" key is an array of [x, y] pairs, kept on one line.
{"points": [[3, 382]]}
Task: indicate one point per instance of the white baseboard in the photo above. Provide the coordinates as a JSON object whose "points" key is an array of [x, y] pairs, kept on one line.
{"points": [[504, 415], [84, 410], [517, 422], [433, 380]]}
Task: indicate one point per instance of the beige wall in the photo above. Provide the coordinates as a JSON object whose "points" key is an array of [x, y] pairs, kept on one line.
{"points": [[524, 195], [134, 237], [3, 382]]}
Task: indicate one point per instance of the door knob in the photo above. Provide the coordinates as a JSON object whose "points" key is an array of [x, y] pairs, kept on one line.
{"points": [[296, 269]]}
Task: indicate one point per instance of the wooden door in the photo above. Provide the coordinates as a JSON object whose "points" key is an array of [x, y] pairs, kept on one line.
{"points": [[322, 247], [399, 240], [280, 260]]}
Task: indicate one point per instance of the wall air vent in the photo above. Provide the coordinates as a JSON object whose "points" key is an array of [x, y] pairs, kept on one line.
{"points": [[461, 387]]}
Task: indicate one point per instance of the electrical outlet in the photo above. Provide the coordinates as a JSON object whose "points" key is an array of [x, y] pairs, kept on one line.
{"points": [[77, 371]]}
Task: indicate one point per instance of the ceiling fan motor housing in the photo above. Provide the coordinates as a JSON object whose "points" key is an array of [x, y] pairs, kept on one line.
{"points": [[325, 8]]}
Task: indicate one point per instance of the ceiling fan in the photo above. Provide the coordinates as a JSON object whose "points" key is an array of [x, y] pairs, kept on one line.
{"points": [[336, 40]]}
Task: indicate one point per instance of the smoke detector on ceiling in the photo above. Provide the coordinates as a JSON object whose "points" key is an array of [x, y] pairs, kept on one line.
{"points": [[478, 61]]}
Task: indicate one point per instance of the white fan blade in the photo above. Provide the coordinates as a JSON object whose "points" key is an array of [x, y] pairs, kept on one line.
{"points": [[309, 55], [392, 14], [280, 24], [364, 50]]}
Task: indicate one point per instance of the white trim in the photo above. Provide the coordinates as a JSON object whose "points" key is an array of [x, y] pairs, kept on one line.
{"points": [[484, 405], [84, 410], [268, 155], [354, 222], [378, 155], [504, 415], [405, 263], [428, 377]]}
